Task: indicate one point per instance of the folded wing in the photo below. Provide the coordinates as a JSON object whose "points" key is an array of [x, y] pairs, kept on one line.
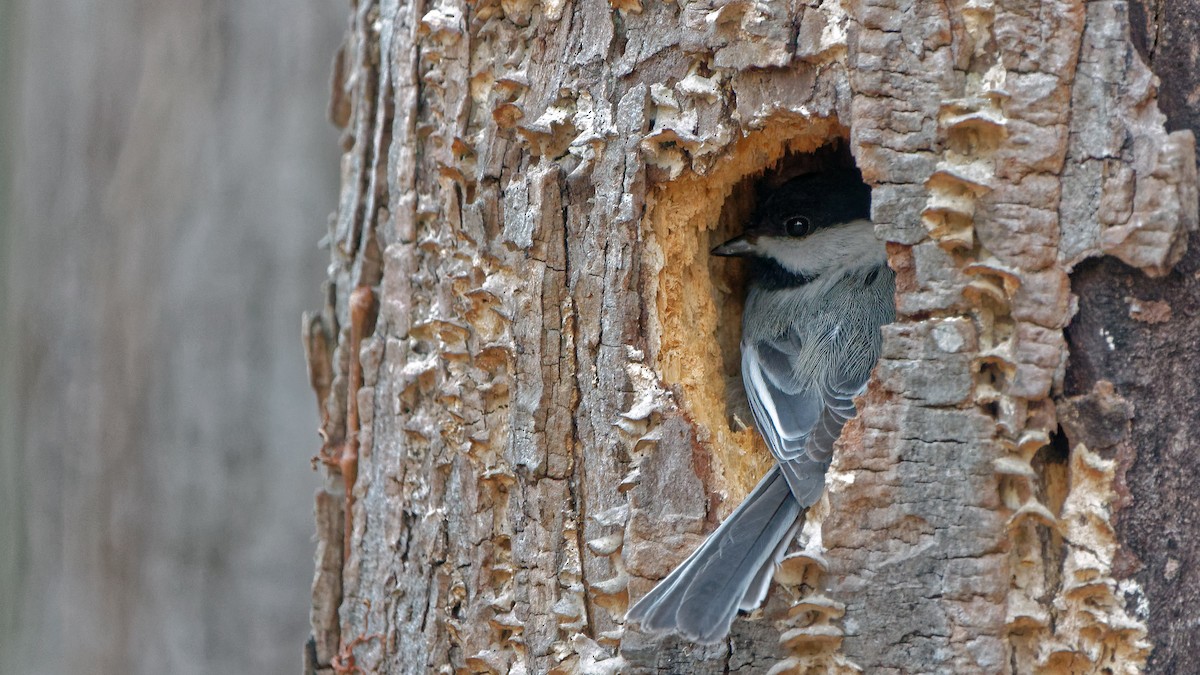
{"points": [[799, 415]]}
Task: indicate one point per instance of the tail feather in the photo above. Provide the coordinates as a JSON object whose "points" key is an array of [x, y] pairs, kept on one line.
{"points": [[756, 592], [731, 570]]}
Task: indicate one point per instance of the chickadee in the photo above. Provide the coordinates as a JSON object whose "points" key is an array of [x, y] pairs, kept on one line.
{"points": [[819, 291]]}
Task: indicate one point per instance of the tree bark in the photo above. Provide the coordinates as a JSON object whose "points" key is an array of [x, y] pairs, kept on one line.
{"points": [[1152, 323], [528, 363]]}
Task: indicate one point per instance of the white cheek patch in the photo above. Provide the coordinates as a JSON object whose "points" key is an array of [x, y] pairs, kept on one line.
{"points": [[844, 246]]}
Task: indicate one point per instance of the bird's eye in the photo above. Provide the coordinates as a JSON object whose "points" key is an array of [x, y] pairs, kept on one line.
{"points": [[796, 226]]}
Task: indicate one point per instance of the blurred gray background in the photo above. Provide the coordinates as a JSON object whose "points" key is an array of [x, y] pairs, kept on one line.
{"points": [[167, 171]]}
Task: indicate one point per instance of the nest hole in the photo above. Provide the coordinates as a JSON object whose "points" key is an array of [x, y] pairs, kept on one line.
{"points": [[729, 274], [694, 322]]}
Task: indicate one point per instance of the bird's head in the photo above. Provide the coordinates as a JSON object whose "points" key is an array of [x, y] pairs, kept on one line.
{"points": [[810, 225]]}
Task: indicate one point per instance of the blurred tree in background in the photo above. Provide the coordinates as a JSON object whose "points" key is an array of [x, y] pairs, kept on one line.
{"points": [[167, 171]]}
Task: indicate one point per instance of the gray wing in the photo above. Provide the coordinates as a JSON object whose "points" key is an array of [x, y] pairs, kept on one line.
{"points": [[798, 415]]}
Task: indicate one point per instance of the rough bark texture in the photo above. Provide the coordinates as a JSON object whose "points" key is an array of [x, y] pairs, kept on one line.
{"points": [[1132, 346], [166, 166], [547, 419]]}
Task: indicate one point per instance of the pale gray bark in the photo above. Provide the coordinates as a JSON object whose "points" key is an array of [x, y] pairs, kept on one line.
{"points": [[544, 424], [168, 170]]}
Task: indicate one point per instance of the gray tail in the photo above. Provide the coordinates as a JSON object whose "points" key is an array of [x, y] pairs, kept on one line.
{"points": [[731, 570]]}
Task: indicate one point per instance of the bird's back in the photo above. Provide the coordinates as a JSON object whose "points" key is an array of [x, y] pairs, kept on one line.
{"points": [[806, 353]]}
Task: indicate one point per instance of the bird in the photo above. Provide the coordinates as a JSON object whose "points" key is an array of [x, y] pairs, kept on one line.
{"points": [[819, 292]]}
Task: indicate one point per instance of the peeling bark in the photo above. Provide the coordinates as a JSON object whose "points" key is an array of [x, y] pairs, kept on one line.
{"points": [[549, 416]]}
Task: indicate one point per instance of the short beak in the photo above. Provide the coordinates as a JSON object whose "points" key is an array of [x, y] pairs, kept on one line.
{"points": [[738, 246]]}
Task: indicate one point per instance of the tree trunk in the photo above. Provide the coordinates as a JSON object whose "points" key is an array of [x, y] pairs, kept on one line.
{"points": [[1152, 323], [528, 362]]}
